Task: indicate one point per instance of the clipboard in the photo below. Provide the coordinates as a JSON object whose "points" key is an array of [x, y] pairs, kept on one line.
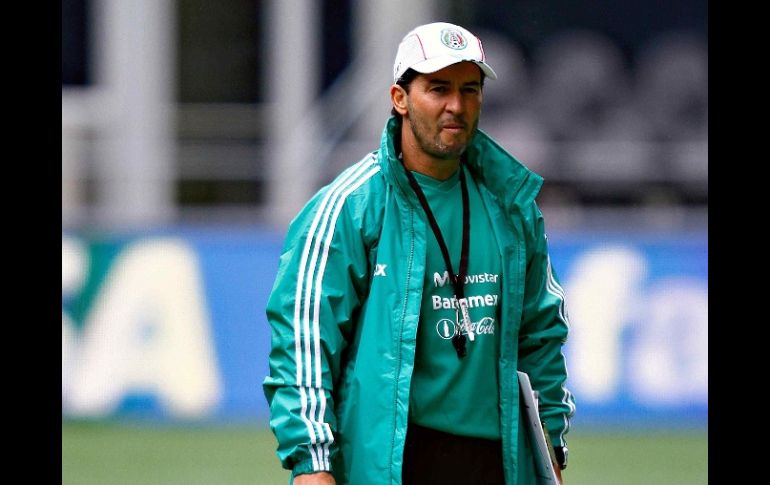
{"points": [[541, 442]]}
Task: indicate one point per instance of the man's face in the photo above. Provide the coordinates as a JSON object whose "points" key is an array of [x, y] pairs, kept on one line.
{"points": [[444, 108]]}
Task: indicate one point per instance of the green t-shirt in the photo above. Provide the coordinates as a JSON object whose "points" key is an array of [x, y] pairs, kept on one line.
{"points": [[453, 395]]}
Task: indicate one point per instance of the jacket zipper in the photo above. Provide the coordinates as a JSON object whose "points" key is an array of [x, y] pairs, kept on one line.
{"points": [[400, 335]]}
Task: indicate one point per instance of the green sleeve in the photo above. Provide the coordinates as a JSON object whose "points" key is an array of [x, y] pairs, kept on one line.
{"points": [[319, 285], [543, 333]]}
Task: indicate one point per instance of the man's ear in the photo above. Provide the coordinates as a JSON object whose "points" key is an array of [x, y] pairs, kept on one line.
{"points": [[398, 98]]}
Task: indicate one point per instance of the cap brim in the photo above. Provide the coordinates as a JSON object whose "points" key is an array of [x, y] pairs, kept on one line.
{"points": [[439, 63]]}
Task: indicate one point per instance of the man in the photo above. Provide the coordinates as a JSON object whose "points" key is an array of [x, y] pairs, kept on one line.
{"points": [[409, 292]]}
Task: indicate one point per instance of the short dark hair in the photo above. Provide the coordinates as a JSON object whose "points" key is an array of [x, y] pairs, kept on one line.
{"points": [[405, 81]]}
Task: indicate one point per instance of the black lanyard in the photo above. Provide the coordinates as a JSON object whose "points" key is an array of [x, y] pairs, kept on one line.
{"points": [[458, 340]]}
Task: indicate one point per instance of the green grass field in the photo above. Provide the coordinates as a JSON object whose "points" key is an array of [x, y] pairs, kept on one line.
{"points": [[112, 453]]}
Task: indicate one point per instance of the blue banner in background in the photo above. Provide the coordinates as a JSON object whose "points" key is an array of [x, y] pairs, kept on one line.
{"points": [[171, 325], [638, 309]]}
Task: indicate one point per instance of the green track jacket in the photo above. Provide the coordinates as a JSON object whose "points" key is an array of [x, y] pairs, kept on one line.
{"points": [[346, 301]]}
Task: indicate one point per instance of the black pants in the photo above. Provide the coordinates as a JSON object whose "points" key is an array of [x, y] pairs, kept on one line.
{"points": [[432, 456]]}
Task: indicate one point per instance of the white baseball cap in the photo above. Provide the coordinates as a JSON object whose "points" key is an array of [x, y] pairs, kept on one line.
{"points": [[432, 47]]}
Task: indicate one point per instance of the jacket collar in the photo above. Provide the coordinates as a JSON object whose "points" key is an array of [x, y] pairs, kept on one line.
{"points": [[512, 183]]}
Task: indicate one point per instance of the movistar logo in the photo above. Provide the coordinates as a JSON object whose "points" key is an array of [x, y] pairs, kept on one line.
{"points": [[441, 280]]}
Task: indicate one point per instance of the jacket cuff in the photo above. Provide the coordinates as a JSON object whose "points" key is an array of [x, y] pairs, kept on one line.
{"points": [[305, 466], [555, 425]]}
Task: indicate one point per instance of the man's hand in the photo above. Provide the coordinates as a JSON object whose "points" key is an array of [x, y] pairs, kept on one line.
{"points": [[319, 478]]}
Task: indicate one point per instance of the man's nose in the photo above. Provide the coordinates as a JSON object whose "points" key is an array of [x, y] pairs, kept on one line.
{"points": [[454, 103]]}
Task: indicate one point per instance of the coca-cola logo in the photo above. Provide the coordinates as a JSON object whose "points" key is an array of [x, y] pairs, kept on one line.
{"points": [[447, 328]]}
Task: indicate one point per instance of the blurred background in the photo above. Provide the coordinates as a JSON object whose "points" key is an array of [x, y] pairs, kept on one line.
{"points": [[193, 131]]}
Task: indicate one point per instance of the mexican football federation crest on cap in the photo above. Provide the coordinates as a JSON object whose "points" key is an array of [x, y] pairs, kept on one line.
{"points": [[453, 39]]}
